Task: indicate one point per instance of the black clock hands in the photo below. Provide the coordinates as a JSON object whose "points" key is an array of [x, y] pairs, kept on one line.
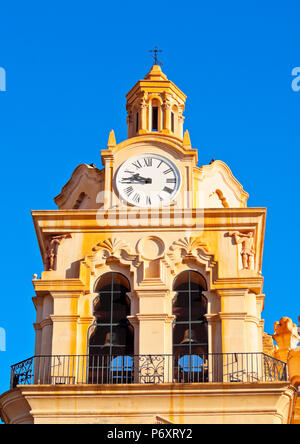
{"points": [[142, 179], [136, 178]]}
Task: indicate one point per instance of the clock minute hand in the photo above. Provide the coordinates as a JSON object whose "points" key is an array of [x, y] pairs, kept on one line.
{"points": [[136, 178], [142, 179], [129, 179]]}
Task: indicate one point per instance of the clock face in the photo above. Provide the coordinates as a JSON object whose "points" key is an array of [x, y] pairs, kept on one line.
{"points": [[148, 180]]}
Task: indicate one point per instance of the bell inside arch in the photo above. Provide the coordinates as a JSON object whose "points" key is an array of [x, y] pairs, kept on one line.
{"points": [[189, 336], [110, 339]]}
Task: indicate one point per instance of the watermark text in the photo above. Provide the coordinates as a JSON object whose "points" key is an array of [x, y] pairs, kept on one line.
{"points": [[296, 80], [2, 79], [2, 340]]}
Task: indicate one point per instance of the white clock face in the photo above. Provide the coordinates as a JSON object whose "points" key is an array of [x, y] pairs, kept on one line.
{"points": [[148, 180]]}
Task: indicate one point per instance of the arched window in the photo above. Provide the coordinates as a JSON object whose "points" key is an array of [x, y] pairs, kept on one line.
{"points": [[189, 306], [174, 119], [113, 334], [154, 118], [137, 123], [155, 115], [172, 122]]}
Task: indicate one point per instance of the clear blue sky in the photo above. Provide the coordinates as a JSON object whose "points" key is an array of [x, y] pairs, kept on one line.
{"points": [[69, 66]]}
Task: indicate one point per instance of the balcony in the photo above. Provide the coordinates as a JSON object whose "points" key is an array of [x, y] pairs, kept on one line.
{"points": [[148, 369]]}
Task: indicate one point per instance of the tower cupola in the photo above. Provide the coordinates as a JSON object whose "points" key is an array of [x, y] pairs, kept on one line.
{"points": [[155, 104]]}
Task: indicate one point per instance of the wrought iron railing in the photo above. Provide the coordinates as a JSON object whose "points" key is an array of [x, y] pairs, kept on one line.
{"points": [[148, 369]]}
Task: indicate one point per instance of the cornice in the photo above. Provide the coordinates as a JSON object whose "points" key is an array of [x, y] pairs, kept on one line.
{"points": [[173, 142], [64, 318], [46, 322], [43, 323], [85, 320], [212, 317], [253, 319], [260, 299], [159, 291], [151, 84], [251, 283], [95, 221], [73, 287], [151, 317], [233, 316], [77, 221], [231, 292]]}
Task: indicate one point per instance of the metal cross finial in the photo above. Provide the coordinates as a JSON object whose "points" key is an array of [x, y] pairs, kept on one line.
{"points": [[156, 51]]}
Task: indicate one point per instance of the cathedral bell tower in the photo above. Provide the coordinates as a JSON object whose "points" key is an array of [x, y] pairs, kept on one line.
{"points": [[155, 104], [148, 309]]}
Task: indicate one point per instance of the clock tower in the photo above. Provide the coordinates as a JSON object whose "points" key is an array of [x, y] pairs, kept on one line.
{"points": [[149, 306]]}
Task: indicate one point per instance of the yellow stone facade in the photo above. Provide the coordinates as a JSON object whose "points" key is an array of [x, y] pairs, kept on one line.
{"points": [[206, 229]]}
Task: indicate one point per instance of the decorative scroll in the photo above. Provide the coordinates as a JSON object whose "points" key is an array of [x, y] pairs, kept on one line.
{"points": [[117, 249], [189, 249], [151, 369], [22, 373], [274, 370]]}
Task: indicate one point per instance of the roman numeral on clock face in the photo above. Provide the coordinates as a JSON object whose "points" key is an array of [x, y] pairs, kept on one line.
{"points": [[168, 190], [173, 180], [169, 170], [137, 164], [128, 190], [136, 198], [148, 161]]}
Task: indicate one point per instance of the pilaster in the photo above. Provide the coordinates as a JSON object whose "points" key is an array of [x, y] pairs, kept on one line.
{"points": [[65, 317], [153, 333], [233, 318]]}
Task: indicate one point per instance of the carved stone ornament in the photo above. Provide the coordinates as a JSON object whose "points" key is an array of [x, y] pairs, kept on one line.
{"points": [[52, 250], [115, 249], [248, 250], [189, 249], [286, 336], [184, 250]]}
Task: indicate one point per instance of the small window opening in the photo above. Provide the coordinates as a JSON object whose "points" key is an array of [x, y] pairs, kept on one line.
{"points": [[137, 122], [172, 122], [155, 118]]}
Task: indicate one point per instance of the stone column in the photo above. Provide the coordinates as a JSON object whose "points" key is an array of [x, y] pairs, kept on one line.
{"points": [[167, 117], [180, 124], [46, 336], [130, 125], [143, 117]]}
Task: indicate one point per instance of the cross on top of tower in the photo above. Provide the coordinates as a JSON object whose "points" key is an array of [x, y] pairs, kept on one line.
{"points": [[155, 53]]}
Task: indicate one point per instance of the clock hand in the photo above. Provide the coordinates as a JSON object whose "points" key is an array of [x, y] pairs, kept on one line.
{"points": [[136, 178], [143, 179], [127, 180]]}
